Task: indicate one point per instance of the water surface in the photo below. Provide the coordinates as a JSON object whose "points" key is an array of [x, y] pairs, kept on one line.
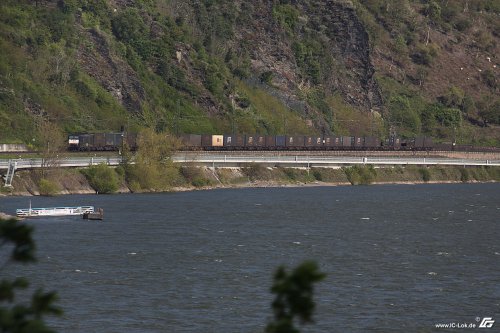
{"points": [[398, 257]]}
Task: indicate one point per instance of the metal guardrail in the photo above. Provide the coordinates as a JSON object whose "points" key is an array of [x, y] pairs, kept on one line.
{"points": [[228, 160], [329, 160]]}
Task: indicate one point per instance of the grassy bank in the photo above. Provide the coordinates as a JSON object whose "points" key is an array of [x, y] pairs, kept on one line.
{"points": [[103, 179]]}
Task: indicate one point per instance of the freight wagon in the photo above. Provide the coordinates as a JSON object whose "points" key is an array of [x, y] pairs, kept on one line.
{"points": [[102, 141]]}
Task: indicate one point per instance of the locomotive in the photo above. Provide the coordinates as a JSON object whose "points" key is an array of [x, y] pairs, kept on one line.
{"points": [[102, 141]]}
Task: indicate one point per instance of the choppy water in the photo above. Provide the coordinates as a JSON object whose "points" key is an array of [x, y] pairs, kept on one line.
{"points": [[398, 258]]}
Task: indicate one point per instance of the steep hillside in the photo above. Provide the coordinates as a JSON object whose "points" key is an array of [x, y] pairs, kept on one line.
{"points": [[210, 66]]}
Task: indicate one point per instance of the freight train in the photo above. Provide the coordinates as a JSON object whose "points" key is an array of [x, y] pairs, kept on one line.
{"points": [[117, 141]]}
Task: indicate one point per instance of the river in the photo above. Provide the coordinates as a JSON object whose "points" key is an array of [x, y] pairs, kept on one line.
{"points": [[397, 257]]}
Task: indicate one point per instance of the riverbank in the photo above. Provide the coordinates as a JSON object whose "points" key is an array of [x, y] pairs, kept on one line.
{"points": [[73, 181]]}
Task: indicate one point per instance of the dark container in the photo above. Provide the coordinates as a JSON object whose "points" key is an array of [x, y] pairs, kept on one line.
{"points": [[428, 143], [347, 141], [419, 142], [250, 140], [281, 141], [113, 141], [206, 140], [86, 142], [394, 142], [372, 142], [255, 141], [328, 141], [337, 141], [234, 141], [191, 140], [313, 141], [99, 141], [293, 142], [270, 141], [423, 142], [261, 140], [358, 142], [444, 146]]}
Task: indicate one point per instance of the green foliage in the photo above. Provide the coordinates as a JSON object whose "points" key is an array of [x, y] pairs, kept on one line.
{"points": [[454, 98], [290, 173], [425, 173], [489, 110], [317, 175], [286, 15], [402, 114], [195, 176], [294, 297], [22, 317], [129, 27], [424, 54], [464, 175], [153, 169], [102, 178], [265, 114], [488, 76], [308, 53], [361, 175], [266, 77], [448, 116], [433, 11], [47, 187]]}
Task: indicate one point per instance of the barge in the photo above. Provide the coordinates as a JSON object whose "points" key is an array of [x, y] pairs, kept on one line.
{"points": [[54, 211]]}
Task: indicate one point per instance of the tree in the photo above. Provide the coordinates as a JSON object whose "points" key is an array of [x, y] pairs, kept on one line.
{"points": [[434, 11], [50, 142], [153, 168], [454, 98], [489, 110], [20, 318], [294, 292]]}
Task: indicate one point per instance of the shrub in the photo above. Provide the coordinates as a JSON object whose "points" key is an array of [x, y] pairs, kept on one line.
{"points": [[201, 182], [464, 175], [425, 173], [266, 77], [47, 187], [361, 175], [489, 78], [290, 173], [102, 178], [317, 175], [286, 15], [195, 176]]}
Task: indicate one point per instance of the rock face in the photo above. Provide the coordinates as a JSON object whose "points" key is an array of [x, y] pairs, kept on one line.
{"points": [[342, 34], [349, 44], [112, 73]]}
